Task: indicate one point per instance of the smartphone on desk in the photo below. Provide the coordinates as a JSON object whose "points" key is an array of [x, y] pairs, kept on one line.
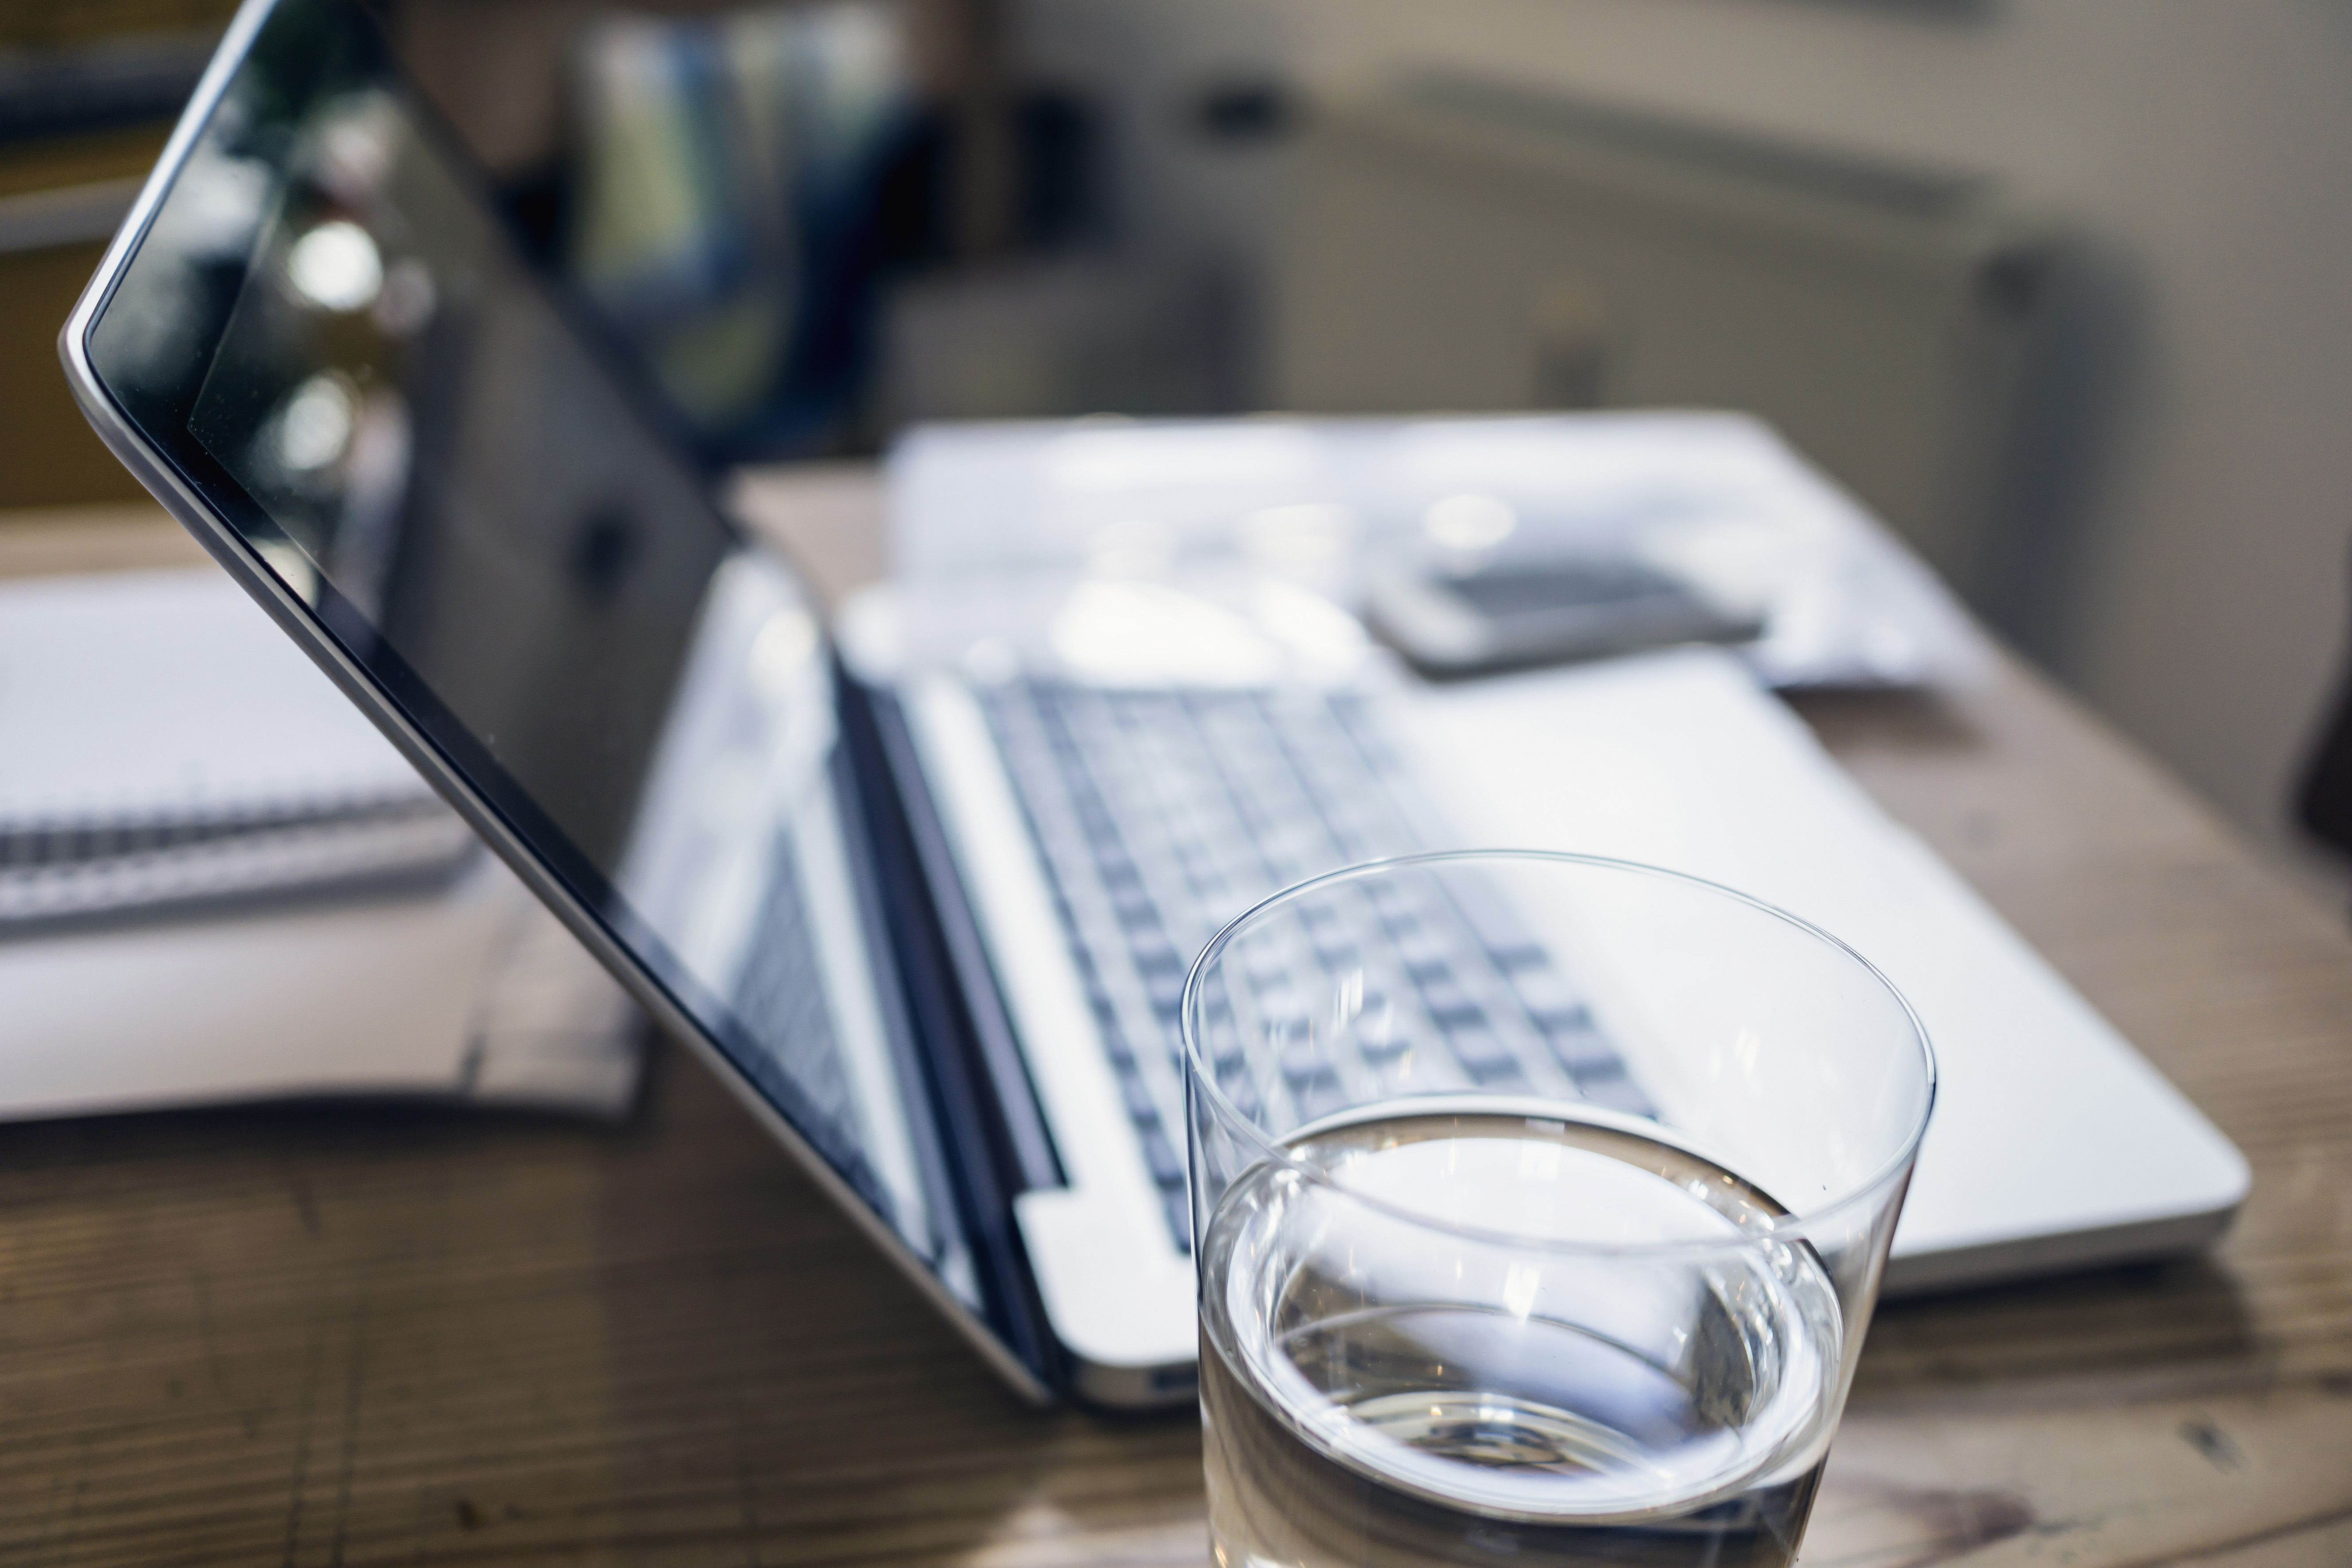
{"points": [[1504, 614]]}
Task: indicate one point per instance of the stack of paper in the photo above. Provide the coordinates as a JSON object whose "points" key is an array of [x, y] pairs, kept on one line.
{"points": [[1718, 496]]}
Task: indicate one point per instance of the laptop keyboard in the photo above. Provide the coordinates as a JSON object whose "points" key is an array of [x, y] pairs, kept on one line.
{"points": [[795, 1055], [1162, 815]]}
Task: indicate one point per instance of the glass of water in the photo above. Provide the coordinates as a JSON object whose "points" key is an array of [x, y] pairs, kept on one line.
{"points": [[1540, 1203]]}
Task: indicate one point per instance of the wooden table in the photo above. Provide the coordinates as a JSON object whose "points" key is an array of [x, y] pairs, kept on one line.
{"points": [[370, 1335]]}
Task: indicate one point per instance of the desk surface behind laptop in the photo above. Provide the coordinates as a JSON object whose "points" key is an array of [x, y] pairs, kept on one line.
{"points": [[373, 1336]]}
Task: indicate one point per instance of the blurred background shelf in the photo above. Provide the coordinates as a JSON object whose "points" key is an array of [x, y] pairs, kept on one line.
{"points": [[88, 94], [2050, 286]]}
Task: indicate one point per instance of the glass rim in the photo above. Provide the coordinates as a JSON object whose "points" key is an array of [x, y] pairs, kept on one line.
{"points": [[1794, 1226]]}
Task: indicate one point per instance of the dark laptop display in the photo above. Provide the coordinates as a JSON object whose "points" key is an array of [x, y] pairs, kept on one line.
{"points": [[332, 343]]}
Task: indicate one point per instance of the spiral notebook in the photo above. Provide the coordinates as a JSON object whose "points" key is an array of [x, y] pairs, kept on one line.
{"points": [[201, 843]]}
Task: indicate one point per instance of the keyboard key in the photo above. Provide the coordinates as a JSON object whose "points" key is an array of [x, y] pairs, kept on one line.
{"points": [[1302, 1059], [1424, 952], [1230, 1069], [1264, 964], [1564, 1018], [1165, 987], [1448, 1003], [1142, 1108], [1483, 1055], [1499, 928], [1583, 1049], [1545, 990], [1178, 1205], [1243, 1093], [1613, 1087], [1279, 1011], [1167, 1165], [1318, 1094]]}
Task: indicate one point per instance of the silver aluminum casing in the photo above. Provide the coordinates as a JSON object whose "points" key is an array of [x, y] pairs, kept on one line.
{"points": [[226, 546]]}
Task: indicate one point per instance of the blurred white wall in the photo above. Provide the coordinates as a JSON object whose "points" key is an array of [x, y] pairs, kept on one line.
{"points": [[2203, 604]]}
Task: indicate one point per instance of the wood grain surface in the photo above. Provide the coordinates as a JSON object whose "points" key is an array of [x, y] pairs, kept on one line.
{"points": [[339, 1334]]}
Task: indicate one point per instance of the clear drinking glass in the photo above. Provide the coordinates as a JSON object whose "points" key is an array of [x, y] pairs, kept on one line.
{"points": [[1540, 1203]]}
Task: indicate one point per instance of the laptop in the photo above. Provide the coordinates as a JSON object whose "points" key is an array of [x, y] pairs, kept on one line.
{"points": [[923, 896]]}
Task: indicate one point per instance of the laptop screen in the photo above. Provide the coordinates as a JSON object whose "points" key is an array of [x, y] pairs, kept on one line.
{"points": [[328, 333]]}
